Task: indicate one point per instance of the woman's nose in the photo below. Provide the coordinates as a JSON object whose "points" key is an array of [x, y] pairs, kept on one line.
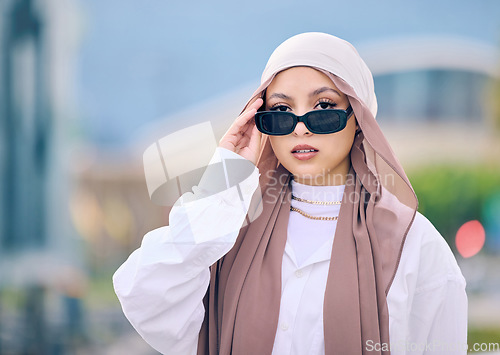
{"points": [[301, 129]]}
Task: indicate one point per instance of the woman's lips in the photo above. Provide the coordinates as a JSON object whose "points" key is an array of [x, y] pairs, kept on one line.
{"points": [[304, 152]]}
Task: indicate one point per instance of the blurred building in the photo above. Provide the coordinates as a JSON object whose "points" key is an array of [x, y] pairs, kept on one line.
{"points": [[436, 93], [40, 267]]}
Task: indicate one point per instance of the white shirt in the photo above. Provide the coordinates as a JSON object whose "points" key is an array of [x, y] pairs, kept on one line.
{"points": [[304, 271], [162, 284]]}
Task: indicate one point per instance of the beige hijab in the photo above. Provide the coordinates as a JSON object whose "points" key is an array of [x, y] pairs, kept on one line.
{"points": [[378, 207]]}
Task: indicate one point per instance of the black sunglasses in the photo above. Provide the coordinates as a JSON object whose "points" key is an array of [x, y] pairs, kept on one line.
{"points": [[281, 123]]}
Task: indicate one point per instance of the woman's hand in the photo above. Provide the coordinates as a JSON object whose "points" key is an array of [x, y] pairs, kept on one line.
{"points": [[243, 137]]}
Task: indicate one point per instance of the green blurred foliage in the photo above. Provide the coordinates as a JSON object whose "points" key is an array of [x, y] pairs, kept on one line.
{"points": [[450, 195], [100, 293], [487, 335]]}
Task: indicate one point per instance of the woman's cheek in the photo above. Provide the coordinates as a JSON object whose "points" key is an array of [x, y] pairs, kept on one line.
{"points": [[278, 145]]}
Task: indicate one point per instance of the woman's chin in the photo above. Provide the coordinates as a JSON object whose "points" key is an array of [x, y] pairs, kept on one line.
{"points": [[309, 178], [319, 177]]}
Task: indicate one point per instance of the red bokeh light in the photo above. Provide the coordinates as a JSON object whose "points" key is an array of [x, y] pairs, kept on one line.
{"points": [[470, 238]]}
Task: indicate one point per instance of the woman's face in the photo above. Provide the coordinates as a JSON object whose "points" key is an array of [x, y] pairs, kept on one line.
{"points": [[300, 90]]}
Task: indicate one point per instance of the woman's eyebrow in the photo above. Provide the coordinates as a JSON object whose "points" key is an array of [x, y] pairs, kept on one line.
{"points": [[280, 95], [323, 89]]}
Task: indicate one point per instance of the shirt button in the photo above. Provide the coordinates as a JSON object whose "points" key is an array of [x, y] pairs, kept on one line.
{"points": [[284, 326], [299, 273]]}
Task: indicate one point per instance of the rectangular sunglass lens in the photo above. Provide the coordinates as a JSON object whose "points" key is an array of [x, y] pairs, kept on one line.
{"points": [[324, 121], [275, 123]]}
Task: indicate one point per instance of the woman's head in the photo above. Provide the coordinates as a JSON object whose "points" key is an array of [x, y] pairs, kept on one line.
{"points": [[301, 65], [300, 90]]}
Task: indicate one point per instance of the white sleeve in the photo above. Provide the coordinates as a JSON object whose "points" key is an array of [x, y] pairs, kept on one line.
{"points": [[162, 284], [438, 316], [438, 320]]}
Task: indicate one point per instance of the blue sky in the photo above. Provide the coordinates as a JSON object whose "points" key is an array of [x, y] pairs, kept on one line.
{"points": [[140, 61]]}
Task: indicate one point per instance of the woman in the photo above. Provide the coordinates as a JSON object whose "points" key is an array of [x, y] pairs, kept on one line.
{"points": [[335, 260]]}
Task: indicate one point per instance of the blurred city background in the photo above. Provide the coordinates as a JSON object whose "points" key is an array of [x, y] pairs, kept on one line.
{"points": [[87, 85]]}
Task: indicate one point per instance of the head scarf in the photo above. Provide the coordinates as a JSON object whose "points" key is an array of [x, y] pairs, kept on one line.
{"points": [[378, 207]]}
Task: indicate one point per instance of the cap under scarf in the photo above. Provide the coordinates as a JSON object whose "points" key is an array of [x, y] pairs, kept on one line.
{"points": [[378, 207]]}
